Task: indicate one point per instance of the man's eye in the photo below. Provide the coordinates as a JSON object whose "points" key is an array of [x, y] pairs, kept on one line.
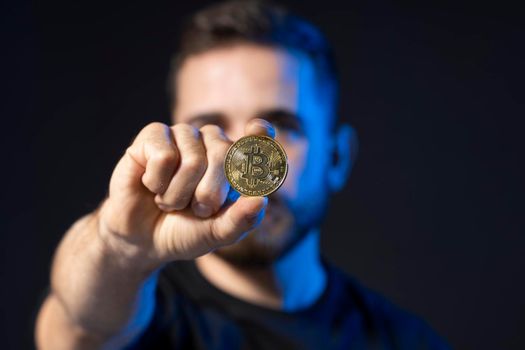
{"points": [[287, 125]]}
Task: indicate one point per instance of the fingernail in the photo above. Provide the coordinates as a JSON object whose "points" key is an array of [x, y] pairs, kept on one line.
{"points": [[201, 210]]}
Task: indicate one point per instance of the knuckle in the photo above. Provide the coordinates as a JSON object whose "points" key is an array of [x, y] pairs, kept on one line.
{"points": [[211, 129], [130, 149], [185, 128], [212, 240], [164, 157], [163, 204], [217, 152], [148, 181], [214, 135], [153, 126], [208, 195], [194, 163], [167, 203], [219, 237]]}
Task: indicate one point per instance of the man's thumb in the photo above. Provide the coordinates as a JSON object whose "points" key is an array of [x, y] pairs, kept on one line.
{"points": [[243, 215]]}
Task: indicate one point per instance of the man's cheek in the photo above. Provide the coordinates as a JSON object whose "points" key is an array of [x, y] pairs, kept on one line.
{"points": [[297, 155]]}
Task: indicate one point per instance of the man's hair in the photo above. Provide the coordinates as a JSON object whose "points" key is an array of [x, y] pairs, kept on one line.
{"points": [[259, 22]]}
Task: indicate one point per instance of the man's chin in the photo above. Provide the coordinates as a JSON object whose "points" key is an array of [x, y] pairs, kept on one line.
{"points": [[278, 233], [251, 251], [265, 244]]}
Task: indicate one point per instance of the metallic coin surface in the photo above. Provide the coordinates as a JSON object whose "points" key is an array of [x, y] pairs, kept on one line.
{"points": [[256, 165]]}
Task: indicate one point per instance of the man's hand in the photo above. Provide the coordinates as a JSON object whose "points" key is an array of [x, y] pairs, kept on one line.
{"points": [[167, 195], [166, 202]]}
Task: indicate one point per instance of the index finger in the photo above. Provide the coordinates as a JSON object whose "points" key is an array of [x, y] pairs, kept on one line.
{"points": [[258, 126]]}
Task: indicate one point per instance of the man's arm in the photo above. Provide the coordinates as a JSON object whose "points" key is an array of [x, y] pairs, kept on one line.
{"points": [[99, 296]]}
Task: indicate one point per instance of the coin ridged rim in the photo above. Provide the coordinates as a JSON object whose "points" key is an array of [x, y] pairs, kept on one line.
{"points": [[236, 145]]}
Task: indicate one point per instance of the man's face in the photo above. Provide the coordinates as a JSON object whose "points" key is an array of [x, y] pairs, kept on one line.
{"points": [[232, 85]]}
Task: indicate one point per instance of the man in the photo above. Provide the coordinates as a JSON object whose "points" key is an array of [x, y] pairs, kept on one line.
{"points": [[171, 259]]}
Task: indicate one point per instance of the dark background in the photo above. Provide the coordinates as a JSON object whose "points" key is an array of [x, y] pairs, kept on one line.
{"points": [[431, 217]]}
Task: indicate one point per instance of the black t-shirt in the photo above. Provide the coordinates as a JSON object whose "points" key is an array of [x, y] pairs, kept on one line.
{"points": [[191, 313]]}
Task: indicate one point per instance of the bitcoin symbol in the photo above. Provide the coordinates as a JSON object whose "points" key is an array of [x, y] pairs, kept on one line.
{"points": [[256, 166]]}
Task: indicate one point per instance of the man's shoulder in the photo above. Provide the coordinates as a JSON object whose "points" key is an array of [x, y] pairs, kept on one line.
{"points": [[381, 315]]}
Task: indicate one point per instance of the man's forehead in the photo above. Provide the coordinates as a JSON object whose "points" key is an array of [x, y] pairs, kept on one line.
{"points": [[269, 61], [243, 79]]}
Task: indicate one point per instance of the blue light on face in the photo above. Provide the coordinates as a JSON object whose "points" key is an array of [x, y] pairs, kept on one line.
{"points": [[301, 265], [314, 109]]}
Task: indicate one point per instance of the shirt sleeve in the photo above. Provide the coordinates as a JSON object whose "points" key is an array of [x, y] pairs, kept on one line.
{"points": [[167, 324]]}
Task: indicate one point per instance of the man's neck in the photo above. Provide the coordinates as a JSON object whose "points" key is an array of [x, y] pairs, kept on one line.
{"points": [[293, 282]]}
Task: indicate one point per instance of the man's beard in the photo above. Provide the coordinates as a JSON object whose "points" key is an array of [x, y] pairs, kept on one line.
{"points": [[280, 230]]}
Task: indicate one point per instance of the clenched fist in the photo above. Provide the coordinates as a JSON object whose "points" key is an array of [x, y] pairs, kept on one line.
{"points": [[167, 195]]}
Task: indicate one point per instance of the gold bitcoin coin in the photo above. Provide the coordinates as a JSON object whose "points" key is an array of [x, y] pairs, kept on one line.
{"points": [[256, 165]]}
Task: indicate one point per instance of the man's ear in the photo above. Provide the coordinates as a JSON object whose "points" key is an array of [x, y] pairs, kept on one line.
{"points": [[344, 152]]}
